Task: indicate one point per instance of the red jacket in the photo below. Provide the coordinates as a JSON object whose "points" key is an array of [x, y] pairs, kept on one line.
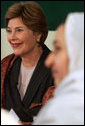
{"points": [[6, 64]]}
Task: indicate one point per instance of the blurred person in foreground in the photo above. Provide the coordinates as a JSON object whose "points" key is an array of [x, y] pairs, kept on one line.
{"points": [[67, 64]]}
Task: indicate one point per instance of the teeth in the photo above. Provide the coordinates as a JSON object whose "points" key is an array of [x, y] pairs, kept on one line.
{"points": [[15, 43]]}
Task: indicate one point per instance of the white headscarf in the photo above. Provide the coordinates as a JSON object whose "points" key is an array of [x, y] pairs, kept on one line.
{"points": [[67, 106], [74, 29]]}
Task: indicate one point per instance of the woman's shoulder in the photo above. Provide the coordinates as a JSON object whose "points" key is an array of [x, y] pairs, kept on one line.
{"points": [[7, 63], [7, 58]]}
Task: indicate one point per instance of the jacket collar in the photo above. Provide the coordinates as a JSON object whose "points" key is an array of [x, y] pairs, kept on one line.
{"points": [[36, 79]]}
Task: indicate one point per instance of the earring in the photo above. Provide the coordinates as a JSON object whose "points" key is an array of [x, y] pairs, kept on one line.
{"points": [[38, 40]]}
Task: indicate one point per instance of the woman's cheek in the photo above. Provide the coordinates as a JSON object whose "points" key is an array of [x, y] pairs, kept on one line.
{"points": [[8, 38], [59, 61], [60, 64], [58, 68]]}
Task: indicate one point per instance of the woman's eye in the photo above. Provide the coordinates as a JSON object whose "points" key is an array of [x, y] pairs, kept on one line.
{"points": [[9, 31], [57, 49], [19, 30]]}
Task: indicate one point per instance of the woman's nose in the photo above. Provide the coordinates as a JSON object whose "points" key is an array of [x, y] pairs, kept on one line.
{"points": [[50, 59], [13, 36]]}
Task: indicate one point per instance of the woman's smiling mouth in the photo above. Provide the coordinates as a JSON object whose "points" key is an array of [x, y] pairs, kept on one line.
{"points": [[15, 45]]}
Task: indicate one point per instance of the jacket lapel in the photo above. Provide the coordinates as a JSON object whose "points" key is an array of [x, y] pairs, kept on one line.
{"points": [[36, 79], [6, 64], [14, 71]]}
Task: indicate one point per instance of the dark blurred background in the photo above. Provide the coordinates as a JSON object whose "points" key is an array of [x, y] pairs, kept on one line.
{"points": [[55, 11]]}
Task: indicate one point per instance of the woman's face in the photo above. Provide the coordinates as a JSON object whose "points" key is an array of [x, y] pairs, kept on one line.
{"points": [[58, 59], [22, 39]]}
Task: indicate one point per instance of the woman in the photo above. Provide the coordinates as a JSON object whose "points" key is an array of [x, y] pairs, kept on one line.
{"points": [[24, 77], [67, 64]]}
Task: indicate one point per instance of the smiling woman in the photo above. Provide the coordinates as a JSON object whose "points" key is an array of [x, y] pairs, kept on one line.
{"points": [[22, 39], [25, 78]]}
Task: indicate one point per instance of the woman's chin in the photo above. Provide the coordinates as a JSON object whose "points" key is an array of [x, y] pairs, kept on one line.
{"points": [[54, 75], [17, 53], [57, 82]]}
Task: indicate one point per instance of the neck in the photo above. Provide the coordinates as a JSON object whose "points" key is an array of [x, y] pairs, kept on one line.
{"points": [[31, 59]]}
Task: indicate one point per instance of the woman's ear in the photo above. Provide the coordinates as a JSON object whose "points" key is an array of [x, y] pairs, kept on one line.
{"points": [[38, 37]]}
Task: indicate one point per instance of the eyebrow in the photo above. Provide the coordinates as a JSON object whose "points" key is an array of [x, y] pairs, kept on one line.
{"points": [[16, 27]]}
